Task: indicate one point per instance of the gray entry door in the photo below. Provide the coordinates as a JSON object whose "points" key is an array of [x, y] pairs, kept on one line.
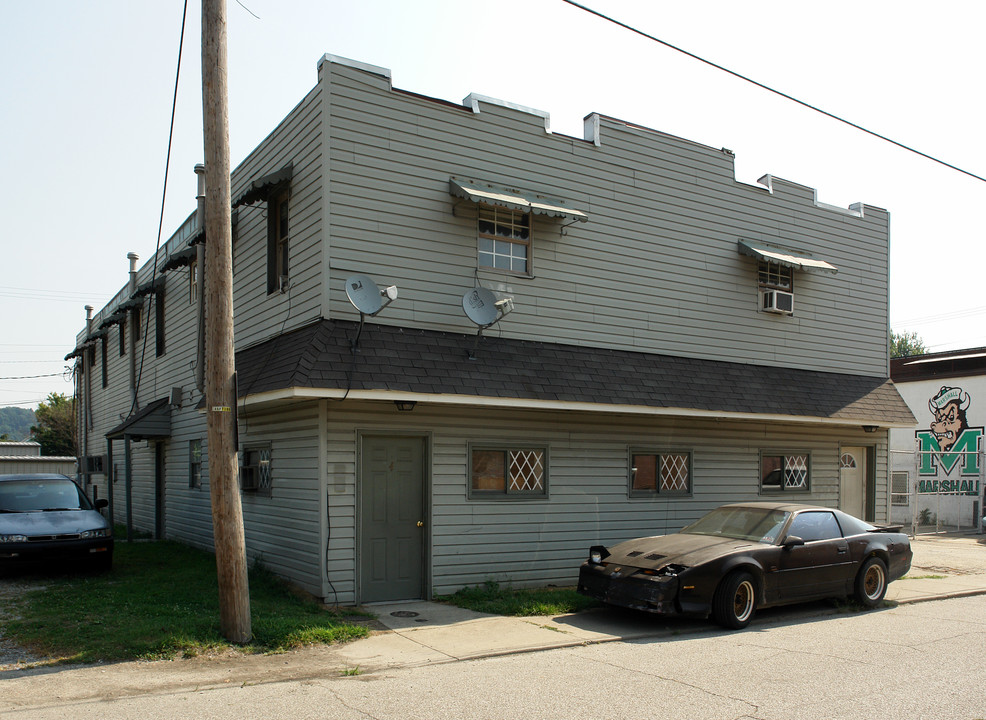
{"points": [[392, 519]]}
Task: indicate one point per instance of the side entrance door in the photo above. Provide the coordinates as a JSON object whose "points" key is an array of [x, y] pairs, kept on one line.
{"points": [[392, 519], [852, 484]]}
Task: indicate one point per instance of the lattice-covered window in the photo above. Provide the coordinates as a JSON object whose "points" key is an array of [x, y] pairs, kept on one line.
{"points": [[664, 473], [510, 471], [256, 472], [785, 472]]}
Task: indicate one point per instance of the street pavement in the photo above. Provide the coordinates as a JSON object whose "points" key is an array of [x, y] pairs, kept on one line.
{"points": [[426, 633]]}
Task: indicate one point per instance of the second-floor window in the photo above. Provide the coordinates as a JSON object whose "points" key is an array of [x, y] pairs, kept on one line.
{"points": [[504, 239], [193, 281], [774, 276], [278, 235]]}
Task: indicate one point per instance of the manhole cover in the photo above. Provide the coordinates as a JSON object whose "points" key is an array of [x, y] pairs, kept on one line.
{"points": [[404, 613]]}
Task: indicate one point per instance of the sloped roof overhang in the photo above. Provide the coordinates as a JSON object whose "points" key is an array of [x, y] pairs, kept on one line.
{"points": [[396, 363], [152, 421]]}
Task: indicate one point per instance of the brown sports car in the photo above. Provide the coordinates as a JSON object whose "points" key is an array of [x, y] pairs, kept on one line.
{"points": [[746, 556]]}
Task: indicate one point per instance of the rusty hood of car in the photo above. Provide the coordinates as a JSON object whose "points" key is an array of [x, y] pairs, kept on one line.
{"points": [[677, 549]]}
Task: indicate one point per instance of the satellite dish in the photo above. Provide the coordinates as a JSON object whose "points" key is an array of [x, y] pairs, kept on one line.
{"points": [[479, 304], [364, 294]]}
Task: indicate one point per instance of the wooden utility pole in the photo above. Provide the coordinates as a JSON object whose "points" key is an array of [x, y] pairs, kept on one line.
{"points": [[220, 386]]}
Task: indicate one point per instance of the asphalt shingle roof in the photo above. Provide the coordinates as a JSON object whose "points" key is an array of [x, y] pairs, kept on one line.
{"points": [[433, 362]]}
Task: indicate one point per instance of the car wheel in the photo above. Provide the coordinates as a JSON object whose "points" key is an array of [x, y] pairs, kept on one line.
{"points": [[871, 582], [735, 601]]}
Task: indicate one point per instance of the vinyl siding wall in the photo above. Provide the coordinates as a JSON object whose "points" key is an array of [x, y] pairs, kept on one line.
{"points": [[655, 269], [535, 542]]}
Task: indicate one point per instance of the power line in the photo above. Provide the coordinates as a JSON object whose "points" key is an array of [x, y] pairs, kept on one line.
{"points": [[772, 90], [31, 377]]}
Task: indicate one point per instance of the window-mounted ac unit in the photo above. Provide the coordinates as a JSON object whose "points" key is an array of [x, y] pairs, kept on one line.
{"points": [[778, 301], [249, 477]]}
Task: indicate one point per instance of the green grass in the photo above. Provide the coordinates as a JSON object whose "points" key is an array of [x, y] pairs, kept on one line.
{"points": [[160, 601], [924, 577], [491, 597]]}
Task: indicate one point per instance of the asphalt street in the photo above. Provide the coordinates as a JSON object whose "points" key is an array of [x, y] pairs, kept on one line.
{"points": [[921, 660]]}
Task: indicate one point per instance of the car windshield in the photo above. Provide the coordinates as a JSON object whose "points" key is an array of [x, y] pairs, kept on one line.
{"points": [[38, 495], [743, 523]]}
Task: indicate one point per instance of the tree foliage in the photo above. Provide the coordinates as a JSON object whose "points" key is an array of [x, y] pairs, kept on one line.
{"points": [[15, 423], [55, 428], [905, 344]]}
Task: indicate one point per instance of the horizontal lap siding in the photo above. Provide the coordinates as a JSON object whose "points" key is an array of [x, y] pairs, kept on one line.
{"points": [[543, 541], [655, 269]]}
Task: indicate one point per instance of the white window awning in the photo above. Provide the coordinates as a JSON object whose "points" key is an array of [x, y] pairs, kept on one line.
{"points": [[784, 257], [478, 191]]}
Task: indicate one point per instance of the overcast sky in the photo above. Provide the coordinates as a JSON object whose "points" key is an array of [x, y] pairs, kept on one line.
{"points": [[86, 91]]}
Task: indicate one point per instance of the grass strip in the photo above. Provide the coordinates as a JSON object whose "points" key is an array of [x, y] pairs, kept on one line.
{"points": [[494, 598]]}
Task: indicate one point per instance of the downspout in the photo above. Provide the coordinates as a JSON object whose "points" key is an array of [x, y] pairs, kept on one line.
{"points": [[200, 283], [133, 258], [86, 401]]}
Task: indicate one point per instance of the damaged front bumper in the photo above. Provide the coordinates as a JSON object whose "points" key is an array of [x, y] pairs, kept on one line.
{"points": [[630, 587]]}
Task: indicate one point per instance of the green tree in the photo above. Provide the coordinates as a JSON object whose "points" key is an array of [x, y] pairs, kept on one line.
{"points": [[55, 429], [905, 344]]}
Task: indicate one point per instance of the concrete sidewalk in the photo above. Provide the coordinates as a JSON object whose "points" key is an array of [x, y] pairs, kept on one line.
{"points": [[421, 633]]}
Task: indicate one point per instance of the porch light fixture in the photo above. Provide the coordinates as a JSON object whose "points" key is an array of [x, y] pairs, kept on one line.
{"points": [[869, 428], [405, 405]]}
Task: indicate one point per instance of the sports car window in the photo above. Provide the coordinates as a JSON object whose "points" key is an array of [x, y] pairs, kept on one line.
{"points": [[811, 526], [742, 523]]}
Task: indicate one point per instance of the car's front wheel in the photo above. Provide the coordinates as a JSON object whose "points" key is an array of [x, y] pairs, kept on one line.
{"points": [[735, 601], [871, 582]]}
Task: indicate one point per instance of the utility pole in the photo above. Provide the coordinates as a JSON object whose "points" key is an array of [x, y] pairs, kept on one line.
{"points": [[220, 385]]}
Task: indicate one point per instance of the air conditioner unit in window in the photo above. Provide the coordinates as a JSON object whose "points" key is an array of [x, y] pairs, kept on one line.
{"points": [[249, 478], [778, 301]]}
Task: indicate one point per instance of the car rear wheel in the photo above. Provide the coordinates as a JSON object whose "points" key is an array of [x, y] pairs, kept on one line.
{"points": [[871, 582], [735, 601]]}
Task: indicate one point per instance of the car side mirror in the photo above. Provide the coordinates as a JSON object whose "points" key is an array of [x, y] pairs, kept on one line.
{"points": [[101, 503], [793, 541]]}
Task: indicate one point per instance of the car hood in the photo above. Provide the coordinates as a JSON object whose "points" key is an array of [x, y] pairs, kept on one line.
{"points": [[52, 522], [676, 549]]}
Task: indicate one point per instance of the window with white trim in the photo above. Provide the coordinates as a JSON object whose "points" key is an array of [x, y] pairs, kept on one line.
{"points": [[194, 463], [504, 239], [783, 472], [508, 472], [774, 276], [660, 473]]}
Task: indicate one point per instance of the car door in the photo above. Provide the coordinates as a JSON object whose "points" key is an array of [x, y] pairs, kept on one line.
{"points": [[827, 553]]}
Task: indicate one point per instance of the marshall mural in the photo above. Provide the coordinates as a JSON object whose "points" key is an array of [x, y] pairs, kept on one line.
{"points": [[950, 445]]}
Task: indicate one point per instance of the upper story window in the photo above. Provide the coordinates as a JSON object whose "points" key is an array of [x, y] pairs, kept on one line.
{"points": [[193, 281], [278, 236], [504, 239], [775, 276]]}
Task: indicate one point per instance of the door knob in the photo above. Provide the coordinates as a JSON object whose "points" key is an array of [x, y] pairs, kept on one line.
{"points": [[421, 523]]}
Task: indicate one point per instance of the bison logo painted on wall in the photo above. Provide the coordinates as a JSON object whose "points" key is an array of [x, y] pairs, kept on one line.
{"points": [[949, 441]]}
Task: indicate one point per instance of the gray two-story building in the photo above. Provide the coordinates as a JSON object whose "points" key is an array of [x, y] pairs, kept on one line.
{"points": [[468, 347]]}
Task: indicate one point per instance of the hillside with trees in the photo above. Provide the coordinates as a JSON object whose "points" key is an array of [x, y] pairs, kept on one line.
{"points": [[15, 423]]}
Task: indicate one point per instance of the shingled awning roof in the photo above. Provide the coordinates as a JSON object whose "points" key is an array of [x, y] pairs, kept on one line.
{"points": [[402, 363]]}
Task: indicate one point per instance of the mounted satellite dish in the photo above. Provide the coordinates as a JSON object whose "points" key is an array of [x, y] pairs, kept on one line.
{"points": [[366, 297], [369, 299], [481, 306]]}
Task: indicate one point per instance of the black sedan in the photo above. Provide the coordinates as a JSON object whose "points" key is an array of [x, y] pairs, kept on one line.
{"points": [[746, 556], [48, 517]]}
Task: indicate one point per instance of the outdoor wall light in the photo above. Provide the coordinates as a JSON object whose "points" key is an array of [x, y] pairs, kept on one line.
{"points": [[405, 405], [869, 428]]}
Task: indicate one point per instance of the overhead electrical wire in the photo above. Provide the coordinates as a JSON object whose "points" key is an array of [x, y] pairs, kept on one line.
{"points": [[164, 195], [773, 90]]}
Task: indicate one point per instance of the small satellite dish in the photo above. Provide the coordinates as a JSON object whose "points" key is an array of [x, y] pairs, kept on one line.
{"points": [[364, 294], [479, 304]]}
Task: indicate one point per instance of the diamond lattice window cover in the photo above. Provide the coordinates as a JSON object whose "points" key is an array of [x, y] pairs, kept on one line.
{"points": [[796, 471], [674, 473], [526, 470]]}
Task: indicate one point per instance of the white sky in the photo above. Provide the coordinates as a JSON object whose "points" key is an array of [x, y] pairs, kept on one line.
{"points": [[86, 89]]}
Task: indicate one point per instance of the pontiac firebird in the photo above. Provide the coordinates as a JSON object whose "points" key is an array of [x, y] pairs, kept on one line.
{"points": [[746, 556]]}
